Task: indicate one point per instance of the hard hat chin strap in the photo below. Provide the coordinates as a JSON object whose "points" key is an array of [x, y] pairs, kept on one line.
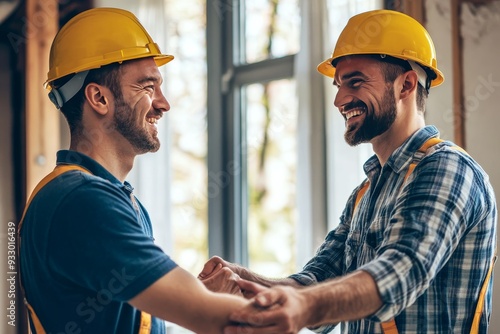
{"points": [[59, 96], [423, 78]]}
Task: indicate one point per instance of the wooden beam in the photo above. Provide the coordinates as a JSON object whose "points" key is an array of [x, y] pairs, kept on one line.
{"points": [[42, 118], [458, 75], [413, 8]]}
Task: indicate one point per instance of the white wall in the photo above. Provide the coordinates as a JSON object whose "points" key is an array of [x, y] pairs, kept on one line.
{"points": [[481, 42]]}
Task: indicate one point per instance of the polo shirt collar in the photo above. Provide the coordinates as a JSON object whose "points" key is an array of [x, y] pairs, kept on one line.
{"points": [[67, 157]]}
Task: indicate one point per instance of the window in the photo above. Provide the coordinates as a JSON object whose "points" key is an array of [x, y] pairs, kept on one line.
{"points": [[253, 119]]}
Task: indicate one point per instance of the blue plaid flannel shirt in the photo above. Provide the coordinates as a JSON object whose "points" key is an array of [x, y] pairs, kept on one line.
{"points": [[428, 241]]}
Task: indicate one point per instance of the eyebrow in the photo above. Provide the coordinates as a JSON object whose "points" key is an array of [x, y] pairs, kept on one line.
{"points": [[149, 79], [350, 75]]}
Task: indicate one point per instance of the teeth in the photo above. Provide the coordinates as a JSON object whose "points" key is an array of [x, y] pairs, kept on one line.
{"points": [[352, 113], [152, 120]]}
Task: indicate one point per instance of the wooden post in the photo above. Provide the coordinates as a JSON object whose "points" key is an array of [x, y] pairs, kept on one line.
{"points": [[413, 8], [42, 118]]}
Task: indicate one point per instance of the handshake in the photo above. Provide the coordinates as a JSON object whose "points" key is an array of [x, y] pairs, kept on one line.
{"points": [[275, 306]]}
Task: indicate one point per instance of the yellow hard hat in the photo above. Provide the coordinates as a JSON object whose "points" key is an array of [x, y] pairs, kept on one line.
{"points": [[98, 37], [385, 32]]}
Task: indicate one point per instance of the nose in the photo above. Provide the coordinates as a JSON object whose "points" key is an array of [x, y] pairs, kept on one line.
{"points": [[342, 97], [160, 101]]}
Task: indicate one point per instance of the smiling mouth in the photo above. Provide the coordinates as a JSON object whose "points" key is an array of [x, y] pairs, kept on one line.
{"points": [[353, 113], [152, 120]]}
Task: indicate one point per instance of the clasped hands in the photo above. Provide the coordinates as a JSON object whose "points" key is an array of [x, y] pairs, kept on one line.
{"points": [[277, 309]]}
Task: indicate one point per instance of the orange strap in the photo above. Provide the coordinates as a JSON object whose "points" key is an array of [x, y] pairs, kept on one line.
{"points": [[389, 327], [145, 327], [480, 303], [58, 170]]}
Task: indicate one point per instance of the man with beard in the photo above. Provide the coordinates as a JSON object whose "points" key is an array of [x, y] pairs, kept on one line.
{"points": [[415, 245], [88, 259]]}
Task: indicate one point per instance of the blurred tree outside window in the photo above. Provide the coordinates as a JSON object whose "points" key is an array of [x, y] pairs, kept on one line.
{"points": [[271, 29]]}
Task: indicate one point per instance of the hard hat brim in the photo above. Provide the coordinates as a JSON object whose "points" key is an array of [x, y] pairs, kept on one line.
{"points": [[160, 60], [326, 68]]}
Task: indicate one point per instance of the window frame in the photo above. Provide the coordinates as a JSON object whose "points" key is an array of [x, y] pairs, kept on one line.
{"points": [[227, 215], [227, 74]]}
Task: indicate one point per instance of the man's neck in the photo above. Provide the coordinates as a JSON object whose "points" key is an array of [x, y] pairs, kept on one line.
{"points": [[116, 162], [385, 144]]}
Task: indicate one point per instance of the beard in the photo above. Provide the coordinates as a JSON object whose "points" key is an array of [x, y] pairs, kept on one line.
{"points": [[125, 123], [373, 125]]}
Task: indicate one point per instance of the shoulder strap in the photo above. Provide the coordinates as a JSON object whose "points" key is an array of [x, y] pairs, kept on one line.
{"points": [[58, 170], [428, 144], [145, 326], [480, 303]]}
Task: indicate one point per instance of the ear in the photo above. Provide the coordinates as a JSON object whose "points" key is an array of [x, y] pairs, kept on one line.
{"points": [[409, 84], [98, 98]]}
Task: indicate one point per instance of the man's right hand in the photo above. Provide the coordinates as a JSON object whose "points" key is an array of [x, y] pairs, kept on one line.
{"points": [[213, 265], [221, 279]]}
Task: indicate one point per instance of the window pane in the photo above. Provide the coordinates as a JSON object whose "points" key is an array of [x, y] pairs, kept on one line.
{"points": [[271, 119], [271, 29], [339, 12]]}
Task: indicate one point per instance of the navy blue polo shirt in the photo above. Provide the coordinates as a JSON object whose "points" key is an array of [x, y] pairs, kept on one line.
{"points": [[86, 250]]}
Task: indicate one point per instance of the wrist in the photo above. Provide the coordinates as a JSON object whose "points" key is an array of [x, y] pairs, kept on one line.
{"points": [[312, 314], [240, 271]]}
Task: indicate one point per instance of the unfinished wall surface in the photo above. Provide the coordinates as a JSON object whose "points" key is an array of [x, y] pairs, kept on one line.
{"points": [[440, 103], [480, 31]]}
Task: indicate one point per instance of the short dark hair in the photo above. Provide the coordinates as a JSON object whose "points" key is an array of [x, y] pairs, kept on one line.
{"points": [[108, 76], [393, 67]]}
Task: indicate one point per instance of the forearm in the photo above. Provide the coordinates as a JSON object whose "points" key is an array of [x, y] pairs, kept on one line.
{"points": [[351, 297], [180, 298], [213, 313]]}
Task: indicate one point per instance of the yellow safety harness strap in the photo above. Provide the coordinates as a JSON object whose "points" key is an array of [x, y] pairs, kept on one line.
{"points": [[36, 322], [58, 170], [480, 303], [389, 327], [145, 326]]}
